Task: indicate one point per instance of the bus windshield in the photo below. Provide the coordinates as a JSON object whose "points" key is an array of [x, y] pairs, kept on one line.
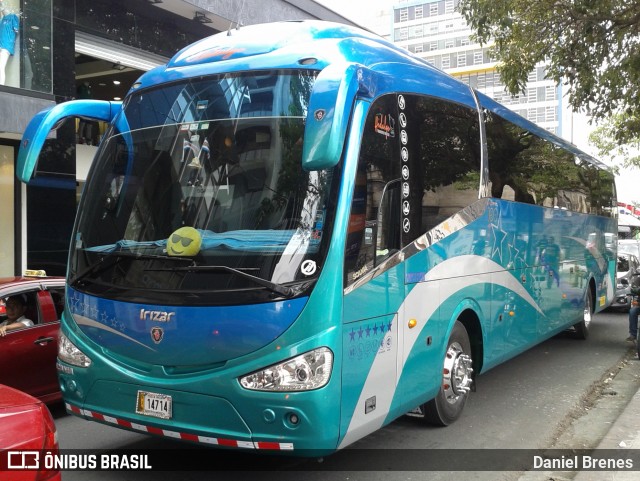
{"points": [[198, 190]]}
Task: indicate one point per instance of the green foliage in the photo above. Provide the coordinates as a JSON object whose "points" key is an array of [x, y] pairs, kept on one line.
{"points": [[592, 46], [609, 150]]}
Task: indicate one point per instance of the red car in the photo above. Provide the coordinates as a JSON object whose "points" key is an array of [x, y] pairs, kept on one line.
{"points": [[31, 352], [27, 430]]}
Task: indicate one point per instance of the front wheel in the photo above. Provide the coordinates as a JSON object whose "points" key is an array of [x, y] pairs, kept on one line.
{"points": [[457, 380], [582, 327]]}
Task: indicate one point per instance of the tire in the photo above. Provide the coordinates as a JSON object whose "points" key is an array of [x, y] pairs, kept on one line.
{"points": [[457, 380], [582, 327]]}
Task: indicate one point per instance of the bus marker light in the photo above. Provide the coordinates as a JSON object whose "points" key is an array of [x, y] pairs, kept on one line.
{"points": [[511, 313], [412, 323]]}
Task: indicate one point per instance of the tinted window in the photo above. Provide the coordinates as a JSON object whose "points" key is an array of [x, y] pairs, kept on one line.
{"points": [[442, 161], [374, 222], [524, 167], [419, 164]]}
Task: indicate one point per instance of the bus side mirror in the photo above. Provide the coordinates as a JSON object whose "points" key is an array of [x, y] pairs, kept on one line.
{"points": [[332, 98], [50, 119]]}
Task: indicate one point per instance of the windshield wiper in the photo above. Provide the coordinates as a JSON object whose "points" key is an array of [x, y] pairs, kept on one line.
{"points": [[101, 264], [272, 286]]}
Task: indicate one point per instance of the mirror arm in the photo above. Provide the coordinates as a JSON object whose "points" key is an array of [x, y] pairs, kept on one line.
{"points": [[49, 119]]}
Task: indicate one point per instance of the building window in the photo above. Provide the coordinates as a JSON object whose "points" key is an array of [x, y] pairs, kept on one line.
{"points": [[433, 46], [448, 6], [446, 61], [464, 42], [541, 73], [404, 14], [404, 33], [433, 9], [419, 11], [482, 81], [448, 44], [418, 49], [477, 57], [462, 59]]}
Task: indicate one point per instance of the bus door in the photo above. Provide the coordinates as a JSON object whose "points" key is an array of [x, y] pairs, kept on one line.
{"points": [[374, 278]]}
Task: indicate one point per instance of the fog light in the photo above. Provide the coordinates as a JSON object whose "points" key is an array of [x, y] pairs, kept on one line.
{"points": [[294, 419]]}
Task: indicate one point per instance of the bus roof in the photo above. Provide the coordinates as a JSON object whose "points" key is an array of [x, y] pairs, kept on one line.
{"points": [[282, 45]]}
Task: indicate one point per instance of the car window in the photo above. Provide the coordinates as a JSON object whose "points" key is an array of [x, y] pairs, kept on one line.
{"points": [[623, 263], [31, 312], [57, 294]]}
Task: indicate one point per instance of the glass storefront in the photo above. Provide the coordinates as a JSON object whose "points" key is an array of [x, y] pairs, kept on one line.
{"points": [[25, 44]]}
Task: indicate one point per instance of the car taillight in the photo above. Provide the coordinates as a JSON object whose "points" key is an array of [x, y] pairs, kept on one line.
{"points": [[50, 443]]}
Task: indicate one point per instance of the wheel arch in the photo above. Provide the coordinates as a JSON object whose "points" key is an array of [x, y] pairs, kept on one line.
{"points": [[467, 314]]}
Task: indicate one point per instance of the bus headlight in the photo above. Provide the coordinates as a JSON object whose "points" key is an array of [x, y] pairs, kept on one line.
{"points": [[69, 353], [310, 370]]}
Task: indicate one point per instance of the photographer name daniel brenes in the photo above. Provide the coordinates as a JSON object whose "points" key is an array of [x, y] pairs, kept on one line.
{"points": [[569, 463]]}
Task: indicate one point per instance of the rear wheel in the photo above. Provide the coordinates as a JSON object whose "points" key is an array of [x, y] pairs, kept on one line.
{"points": [[457, 380], [582, 327]]}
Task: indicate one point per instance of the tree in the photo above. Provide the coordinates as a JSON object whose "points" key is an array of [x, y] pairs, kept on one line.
{"points": [[592, 46], [609, 150]]}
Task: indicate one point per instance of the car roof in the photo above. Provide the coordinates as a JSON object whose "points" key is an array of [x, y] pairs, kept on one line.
{"points": [[22, 279], [10, 285]]}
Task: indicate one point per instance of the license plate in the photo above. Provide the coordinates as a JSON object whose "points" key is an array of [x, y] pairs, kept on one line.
{"points": [[154, 404]]}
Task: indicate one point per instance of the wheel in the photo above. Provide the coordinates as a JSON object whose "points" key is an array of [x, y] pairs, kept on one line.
{"points": [[457, 380], [582, 327]]}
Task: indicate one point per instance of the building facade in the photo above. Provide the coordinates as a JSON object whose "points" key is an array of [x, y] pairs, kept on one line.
{"points": [[435, 31], [58, 50]]}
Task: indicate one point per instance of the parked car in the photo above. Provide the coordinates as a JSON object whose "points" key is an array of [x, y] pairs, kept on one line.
{"points": [[31, 352], [627, 266], [629, 246], [27, 425]]}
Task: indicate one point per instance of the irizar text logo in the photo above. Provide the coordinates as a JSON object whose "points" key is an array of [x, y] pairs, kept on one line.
{"points": [[158, 316]]}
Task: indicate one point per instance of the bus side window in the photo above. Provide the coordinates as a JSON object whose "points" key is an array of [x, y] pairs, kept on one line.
{"points": [[374, 222], [443, 162]]}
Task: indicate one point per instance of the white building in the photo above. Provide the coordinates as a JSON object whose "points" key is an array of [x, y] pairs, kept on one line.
{"points": [[435, 31]]}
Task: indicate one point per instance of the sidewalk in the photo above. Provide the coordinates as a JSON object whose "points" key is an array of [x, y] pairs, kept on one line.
{"points": [[623, 435], [615, 421]]}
